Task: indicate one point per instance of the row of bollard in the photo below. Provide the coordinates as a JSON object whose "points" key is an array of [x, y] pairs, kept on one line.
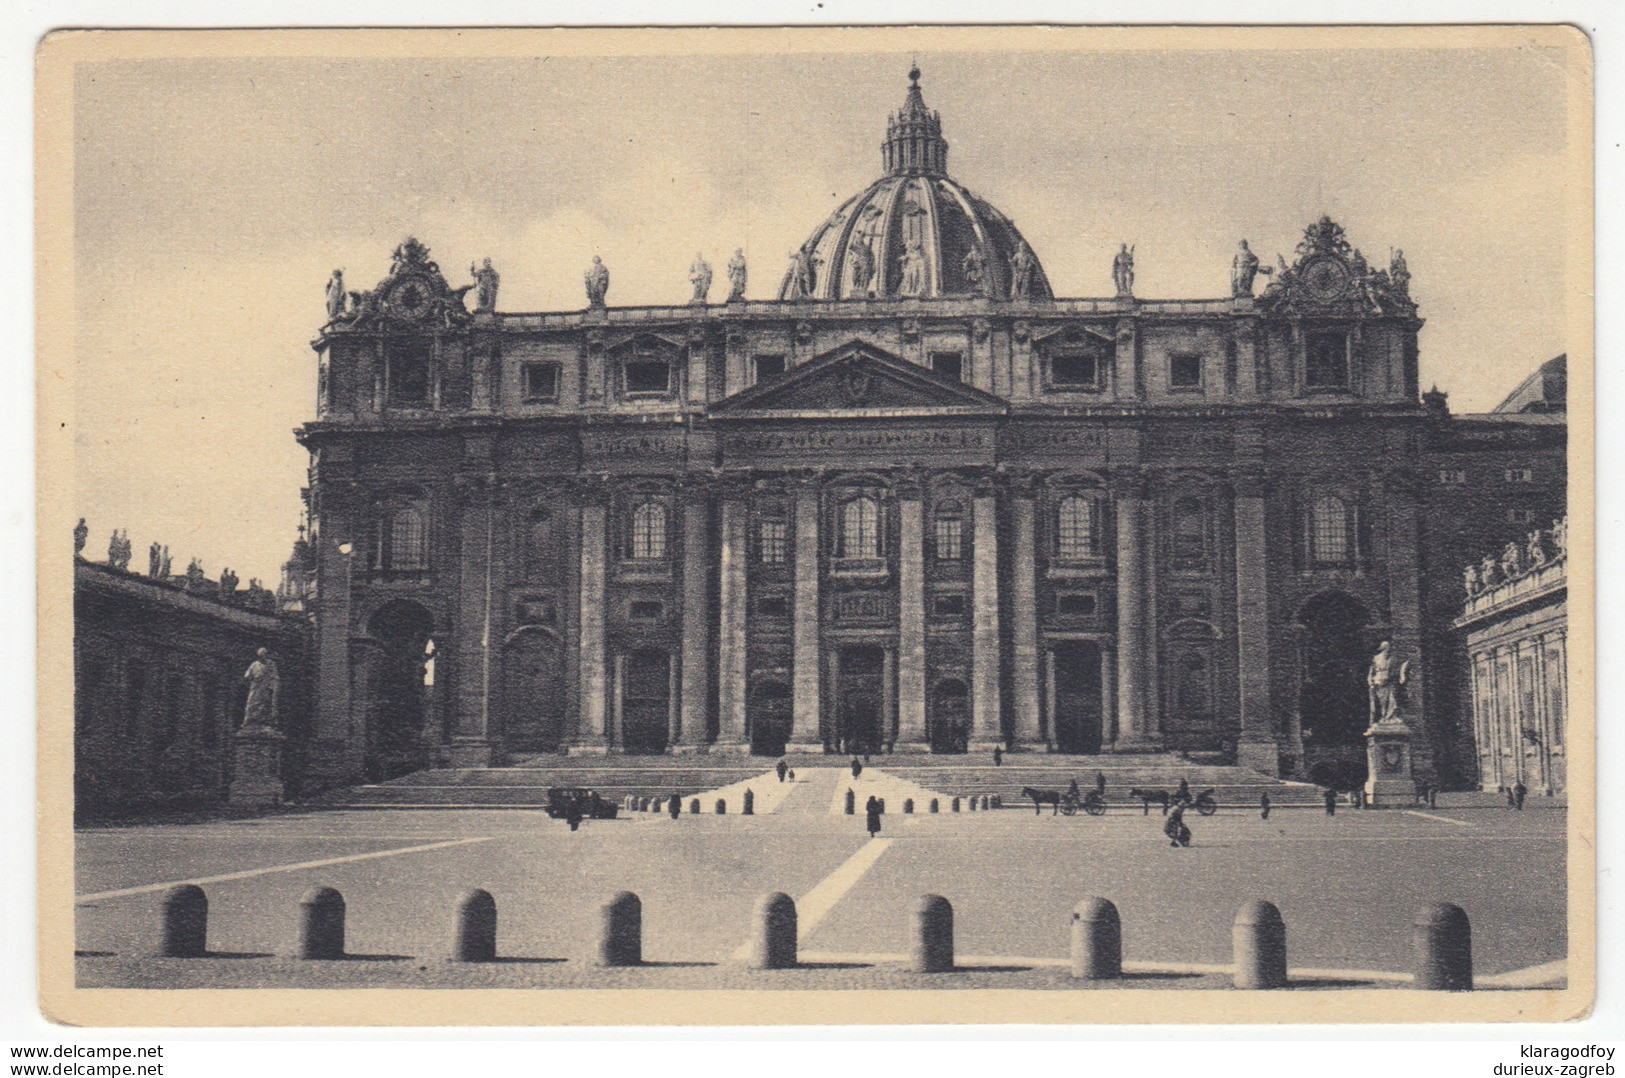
{"points": [[985, 802], [1442, 936]]}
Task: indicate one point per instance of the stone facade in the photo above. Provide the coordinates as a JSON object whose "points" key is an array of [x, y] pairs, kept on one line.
{"points": [[159, 692], [936, 510], [1515, 626]]}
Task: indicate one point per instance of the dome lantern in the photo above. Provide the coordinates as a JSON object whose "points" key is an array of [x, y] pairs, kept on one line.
{"points": [[914, 142]]}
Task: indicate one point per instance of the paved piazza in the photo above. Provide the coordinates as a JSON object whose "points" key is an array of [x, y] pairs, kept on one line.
{"points": [[1347, 886]]}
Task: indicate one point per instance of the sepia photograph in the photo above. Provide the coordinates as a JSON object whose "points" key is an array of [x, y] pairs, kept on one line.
{"points": [[766, 527]]}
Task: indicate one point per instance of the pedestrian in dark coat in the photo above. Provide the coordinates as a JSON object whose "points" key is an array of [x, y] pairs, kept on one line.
{"points": [[572, 815], [1174, 827], [857, 767], [1072, 790], [1519, 792], [872, 811], [1331, 801], [1264, 806], [675, 806], [1100, 783], [1512, 798], [1184, 790], [998, 756], [783, 769]]}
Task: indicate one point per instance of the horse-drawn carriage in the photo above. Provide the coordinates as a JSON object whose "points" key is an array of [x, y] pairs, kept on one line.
{"points": [[1068, 803], [1204, 802]]}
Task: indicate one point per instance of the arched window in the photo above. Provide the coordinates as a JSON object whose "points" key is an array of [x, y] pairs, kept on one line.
{"points": [[1190, 533], [1329, 531], [402, 540], [649, 532], [1075, 528], [860, 528], [949, 532]]}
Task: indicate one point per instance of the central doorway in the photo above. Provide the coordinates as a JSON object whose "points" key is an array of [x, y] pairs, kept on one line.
{"points": [[769, 718], [861, 699], [1075, 712], [646, 702]]}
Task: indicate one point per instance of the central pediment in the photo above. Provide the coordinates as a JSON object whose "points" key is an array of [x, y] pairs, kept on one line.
{"points": [[859, 379]]}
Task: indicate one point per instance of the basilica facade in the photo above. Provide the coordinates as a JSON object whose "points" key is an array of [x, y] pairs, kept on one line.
{"points": [[916, 503]]}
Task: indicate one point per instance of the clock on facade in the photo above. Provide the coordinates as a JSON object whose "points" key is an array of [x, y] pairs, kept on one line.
{"points": [[1325, 278], [410, 298]]}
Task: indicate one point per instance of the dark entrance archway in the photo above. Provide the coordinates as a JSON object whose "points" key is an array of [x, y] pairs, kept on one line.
{"points": [[950, 716], [645, 702], [769, 718], [398, 690], [1332, 698], [1075, 711], [533, 691], [861, 699]]}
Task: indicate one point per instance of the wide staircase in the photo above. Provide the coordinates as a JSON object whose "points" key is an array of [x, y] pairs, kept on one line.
{"points": [[524, 782]]}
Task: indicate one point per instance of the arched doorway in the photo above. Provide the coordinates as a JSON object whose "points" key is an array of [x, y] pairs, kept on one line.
{"points": [[770, 718], [861, 700], [532, 691], [949, 721], [645, 702], [1075, 710], [399, 689], [1332, 698]]}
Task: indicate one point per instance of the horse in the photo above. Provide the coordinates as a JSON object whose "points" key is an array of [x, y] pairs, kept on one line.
{"points": [[1043, 797], [1146, 797]]}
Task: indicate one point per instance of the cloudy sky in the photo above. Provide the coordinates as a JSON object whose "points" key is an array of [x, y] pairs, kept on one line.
{"points": [[212, 198]]}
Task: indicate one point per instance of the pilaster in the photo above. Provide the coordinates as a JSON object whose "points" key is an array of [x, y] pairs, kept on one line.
{"points": [[1028, 732], [807, 726], [731, 640], [1256, 747], [986, 727], [592, 736], [911, 690], [695, 687]]}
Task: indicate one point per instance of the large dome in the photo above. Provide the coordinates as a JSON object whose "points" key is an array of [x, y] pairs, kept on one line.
{"points": [[915, 232]]}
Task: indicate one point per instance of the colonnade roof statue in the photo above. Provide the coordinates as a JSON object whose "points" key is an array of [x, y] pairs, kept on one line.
{"points": [[915, 232]]}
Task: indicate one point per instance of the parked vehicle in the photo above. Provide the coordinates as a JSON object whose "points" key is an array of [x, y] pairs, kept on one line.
{"points": [[593, 807]]}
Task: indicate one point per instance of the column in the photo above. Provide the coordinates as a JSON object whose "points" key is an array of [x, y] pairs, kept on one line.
{"points": [[1256, 747], [336, 756], [807, 729], [592, 735], [471, 742], [986, 731], [911, 690], [695, 688], [1028, 733], [1133, 733], [732, 686]]}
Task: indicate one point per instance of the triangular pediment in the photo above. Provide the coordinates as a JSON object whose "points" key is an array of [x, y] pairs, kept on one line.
{"points": [[858, 378]]}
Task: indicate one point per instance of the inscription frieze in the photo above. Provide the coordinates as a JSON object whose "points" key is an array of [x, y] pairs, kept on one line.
{"points": [[795, 441]]}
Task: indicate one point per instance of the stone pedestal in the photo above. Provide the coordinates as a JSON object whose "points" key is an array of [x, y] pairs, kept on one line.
{"points": [[471, 752], [256, 782], [1391, 780]]}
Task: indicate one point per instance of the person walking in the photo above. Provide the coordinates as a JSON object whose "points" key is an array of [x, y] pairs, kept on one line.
{"points": [[675, 805], [1264, 806], [1331, 801], [783, 769], [1519, 792], [572, 815], [857, 767], [872, 810], [1174, 827], [1184, 789], [1100, 783], [1072, 791], [998, 756], [1512, 798]]}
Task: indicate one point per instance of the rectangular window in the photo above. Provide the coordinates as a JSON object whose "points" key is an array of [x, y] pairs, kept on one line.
{"points": [[1184, 371], [948, 606], [773, 542], [1074, 371], [768, 368], [1075, 604], [1520, 475], [950, 365], [648, 378], [773, 606], [1326, 361], [1452, 477], [407, 362], [541, 381], [646, 610], [649, 532], [950, 539], [1075, 528], [406, 546]]}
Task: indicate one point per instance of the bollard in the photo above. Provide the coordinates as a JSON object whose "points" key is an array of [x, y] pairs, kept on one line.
{"points": [[474, 939], [935, 807], [722, 807], [954, 804], [694, 807], [1259, 941], [620, 937], [933, 935], [851, 802], [184, 922], [987, 802], [970, 803], [1097, 940], [749, 808], [998, 802], [773, 943], [908, 806], [1444, 949], [321, 924]]}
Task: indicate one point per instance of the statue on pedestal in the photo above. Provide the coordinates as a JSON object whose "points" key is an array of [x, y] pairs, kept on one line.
{"points": [[737, 275], [1244, 270], [1399, 274], [263, 683], [1512, 560], [1123, 272], [1560, 536], [1384, 681], [699, 275], [597, 281], [1470, 580], [486, 280], [801, 274], [1021, 271], [336, 296]]}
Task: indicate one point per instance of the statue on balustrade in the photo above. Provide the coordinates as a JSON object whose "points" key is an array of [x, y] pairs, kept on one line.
{"points": [[1487, 570], [155, 559], [699, 275], [1244, 270], [1021, 271], [486, 281], [1123, 272], [597, 281], [737, 275], [1511, 560], [336, 296], [163, 562], [1399, 274], [1469, 577], [1560, 536], [1536, 550]]}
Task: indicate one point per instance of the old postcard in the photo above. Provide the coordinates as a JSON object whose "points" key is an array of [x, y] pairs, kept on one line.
{"points": [[929, 525]]}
